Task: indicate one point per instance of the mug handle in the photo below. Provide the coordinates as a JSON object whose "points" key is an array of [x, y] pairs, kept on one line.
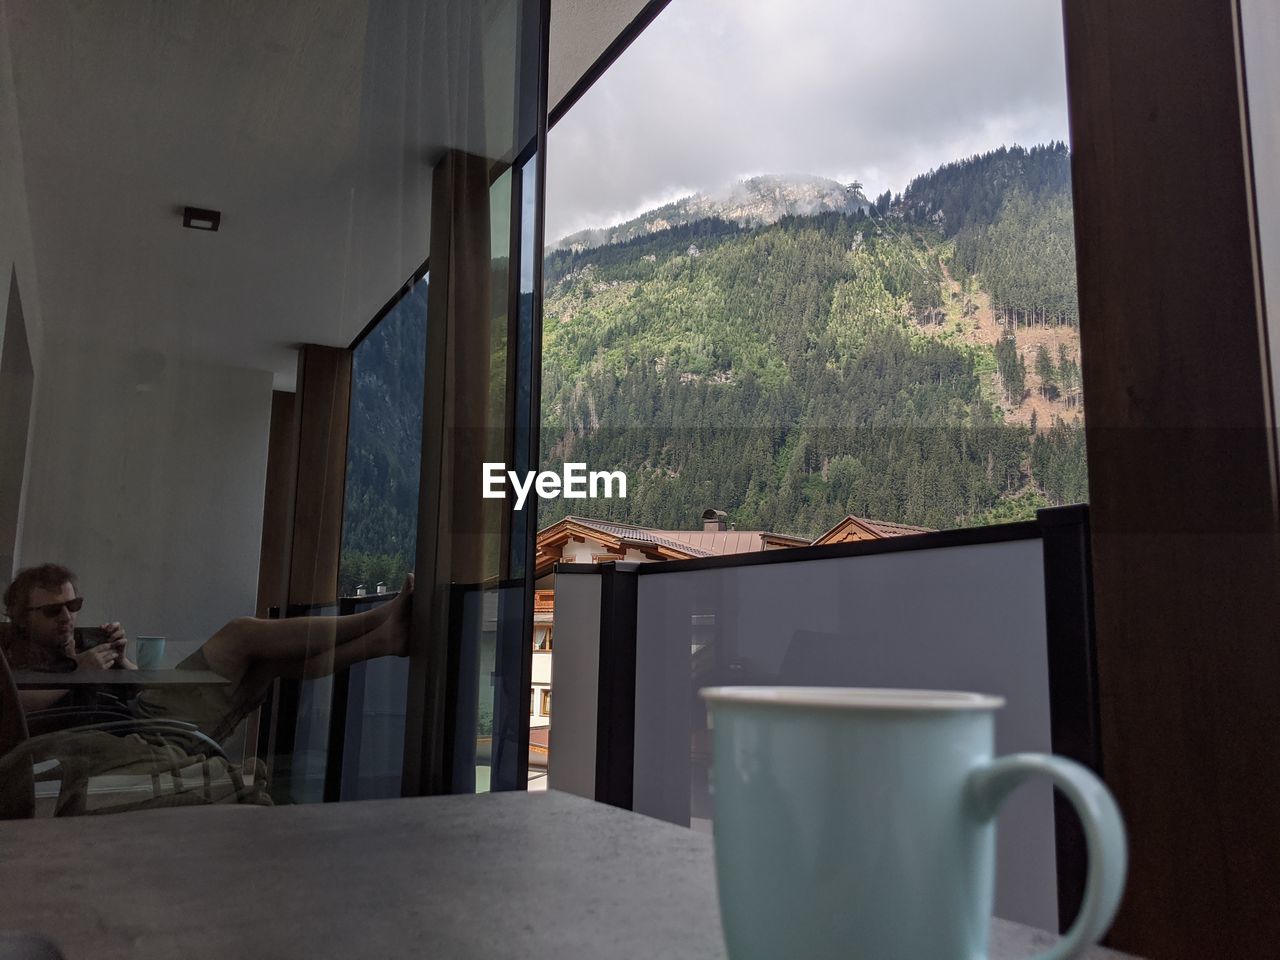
{"points": [[990, 784]]}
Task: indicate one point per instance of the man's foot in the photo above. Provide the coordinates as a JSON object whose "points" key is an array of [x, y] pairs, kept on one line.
{"points": [[397, 625], [404, 599], [397, 608]]}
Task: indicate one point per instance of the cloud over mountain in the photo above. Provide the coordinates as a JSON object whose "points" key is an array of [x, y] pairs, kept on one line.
{"points": [[718, 90], [748, 203]]}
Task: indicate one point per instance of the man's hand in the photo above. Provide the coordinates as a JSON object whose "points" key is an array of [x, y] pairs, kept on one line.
{"points": [[116, 637], [101, 657], [109, 653]]}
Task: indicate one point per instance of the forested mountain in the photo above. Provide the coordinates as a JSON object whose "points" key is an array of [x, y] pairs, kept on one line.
{"points": [[916, 361], [969, 193], [1010, 214], [384, 443]]}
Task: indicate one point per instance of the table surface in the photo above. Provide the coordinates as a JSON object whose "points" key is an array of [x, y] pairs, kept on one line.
{"points": [[39, 680], [509, 875]]}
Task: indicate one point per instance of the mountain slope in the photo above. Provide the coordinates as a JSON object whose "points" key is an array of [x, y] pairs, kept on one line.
{"points": [[838, 363], [883, 363]]}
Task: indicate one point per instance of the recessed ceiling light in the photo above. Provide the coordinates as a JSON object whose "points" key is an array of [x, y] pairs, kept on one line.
{"points": [[196, 219]]}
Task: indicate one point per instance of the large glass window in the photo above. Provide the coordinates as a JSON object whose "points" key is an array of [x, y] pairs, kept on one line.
{"points": [[379, 535], [818, 288], [813, 278], [384, 448]]}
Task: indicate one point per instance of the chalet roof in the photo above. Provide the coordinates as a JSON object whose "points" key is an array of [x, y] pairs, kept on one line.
{"points": [[719, 543], [877, 528], [692, 544], [628, 533], [889, 529]]}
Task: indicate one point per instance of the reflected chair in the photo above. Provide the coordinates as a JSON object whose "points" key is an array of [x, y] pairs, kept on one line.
{"points": [[74, 745], [17, 789]]}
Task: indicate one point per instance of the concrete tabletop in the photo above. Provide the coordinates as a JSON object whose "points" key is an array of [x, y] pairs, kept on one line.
{"points": [[510, 875]]}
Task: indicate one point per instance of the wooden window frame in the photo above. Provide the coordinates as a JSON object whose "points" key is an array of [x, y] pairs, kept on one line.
{"points": [[1183, 475]]}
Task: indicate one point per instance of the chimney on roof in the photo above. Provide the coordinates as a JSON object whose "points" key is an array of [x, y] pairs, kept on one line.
{"points": [[713, 520]]}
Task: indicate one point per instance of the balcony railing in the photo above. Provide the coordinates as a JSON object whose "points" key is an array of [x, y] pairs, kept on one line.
{"points": [[1005, 610]]}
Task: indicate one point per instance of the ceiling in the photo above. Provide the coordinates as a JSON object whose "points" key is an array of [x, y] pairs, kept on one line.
{"points": [[311, 125], [580, 32]]}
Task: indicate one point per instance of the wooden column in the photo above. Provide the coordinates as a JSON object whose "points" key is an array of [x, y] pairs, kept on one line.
{"points": [[324, 394], [302, 526], [277, 546], [1182, 471], [454, 522], [277, 512]]}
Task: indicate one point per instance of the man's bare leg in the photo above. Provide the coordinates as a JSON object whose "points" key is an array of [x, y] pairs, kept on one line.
{"points": [[284, 645], [389, 639]]}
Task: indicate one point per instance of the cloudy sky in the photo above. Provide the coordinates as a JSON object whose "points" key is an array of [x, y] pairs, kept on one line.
{"points": [[869, 90]]}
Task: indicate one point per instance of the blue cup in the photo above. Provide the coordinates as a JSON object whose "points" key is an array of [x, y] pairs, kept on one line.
{"points": [[861, 823], [149, 652]]}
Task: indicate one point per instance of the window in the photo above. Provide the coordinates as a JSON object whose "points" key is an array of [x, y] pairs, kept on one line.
{"points": [[542, 638], [384, 455], [890, 337], [546, 703], [834, 302]]}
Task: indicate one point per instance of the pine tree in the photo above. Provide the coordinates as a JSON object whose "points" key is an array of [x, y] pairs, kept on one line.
{"points": [[1046, 372]]}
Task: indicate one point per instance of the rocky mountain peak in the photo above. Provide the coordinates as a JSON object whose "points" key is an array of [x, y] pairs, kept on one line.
{"points": [[752, 202]]}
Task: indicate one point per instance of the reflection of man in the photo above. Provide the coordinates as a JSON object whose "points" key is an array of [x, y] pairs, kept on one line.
{"points": [[251, 654], [42, 603]]}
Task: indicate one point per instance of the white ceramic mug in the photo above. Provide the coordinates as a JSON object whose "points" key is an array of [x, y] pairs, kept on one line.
{"points": [[149, 651], [861, 824]]}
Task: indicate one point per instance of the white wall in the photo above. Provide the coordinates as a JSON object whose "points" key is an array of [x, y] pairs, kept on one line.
{"points": [[16, 248], [574, 552], [17, 254], [1261, 19], [577, 651], [147, 478], [542, 667], [154, 497]]}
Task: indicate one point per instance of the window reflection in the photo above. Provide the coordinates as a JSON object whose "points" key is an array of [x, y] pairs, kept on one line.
{"points": [[182, 437], [78, 706], [384, 448], [379, 535]]}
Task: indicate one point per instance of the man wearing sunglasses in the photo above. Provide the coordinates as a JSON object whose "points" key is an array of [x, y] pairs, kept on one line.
{"points": [[251, 653], [42, 604]]}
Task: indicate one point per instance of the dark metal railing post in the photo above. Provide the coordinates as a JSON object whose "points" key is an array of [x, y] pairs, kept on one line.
{"points": [[616, 716]]}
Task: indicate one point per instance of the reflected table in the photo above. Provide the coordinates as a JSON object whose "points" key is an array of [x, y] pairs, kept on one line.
{"points": [[39, 680], [509, 875]]}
